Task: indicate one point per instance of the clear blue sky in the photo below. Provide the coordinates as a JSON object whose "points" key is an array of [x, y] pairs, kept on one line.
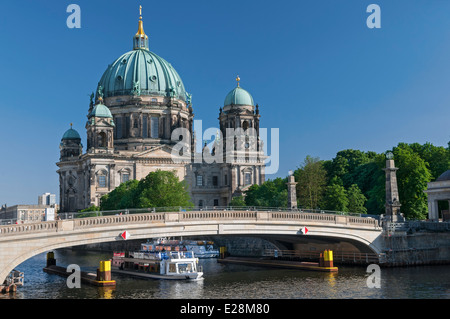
{"points": [[319, 74]]}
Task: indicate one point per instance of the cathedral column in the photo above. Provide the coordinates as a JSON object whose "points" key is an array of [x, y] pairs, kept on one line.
{"points": [[433, 210], [112, 177]]}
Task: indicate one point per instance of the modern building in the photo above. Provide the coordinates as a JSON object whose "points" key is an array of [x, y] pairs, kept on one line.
{"points": [[137, 121], [27, 213], [47, 199]]}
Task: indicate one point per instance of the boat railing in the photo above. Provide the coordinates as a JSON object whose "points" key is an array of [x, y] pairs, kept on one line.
{"points": [[177, 254]]}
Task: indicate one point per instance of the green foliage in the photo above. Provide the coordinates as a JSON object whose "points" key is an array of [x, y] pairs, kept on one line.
{"points": [[437, 157], [356, 200], [123, 196], [311, 180], [335, 198], [162, 189], [412, 178], [237, 201], [157, 189], [87, 211], [92, 208], [272, 193], [355, 180]]}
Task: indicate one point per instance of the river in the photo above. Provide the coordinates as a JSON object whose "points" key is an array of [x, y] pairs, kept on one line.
{"points": [[226, 281]]}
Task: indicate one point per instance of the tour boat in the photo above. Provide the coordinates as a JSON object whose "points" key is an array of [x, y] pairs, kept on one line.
{"points": [[179, 265], [202, 249]]}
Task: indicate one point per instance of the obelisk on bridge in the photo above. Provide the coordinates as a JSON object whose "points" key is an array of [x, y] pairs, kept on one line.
{"points": [[292, 192], [392, 198]]}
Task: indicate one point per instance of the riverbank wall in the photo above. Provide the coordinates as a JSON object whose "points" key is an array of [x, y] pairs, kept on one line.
{"points": [[420, 248]]}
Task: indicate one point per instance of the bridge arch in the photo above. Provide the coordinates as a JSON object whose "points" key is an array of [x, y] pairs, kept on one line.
{"points": [[20, 242]]}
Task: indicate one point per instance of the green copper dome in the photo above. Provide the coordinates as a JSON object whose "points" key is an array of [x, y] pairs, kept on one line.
{"points": [[141, 72], [71, 134], [100, 110], [238, 96]]}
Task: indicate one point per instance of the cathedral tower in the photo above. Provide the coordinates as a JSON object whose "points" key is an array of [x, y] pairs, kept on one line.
{"points": [[100, 129], [70, 146]]}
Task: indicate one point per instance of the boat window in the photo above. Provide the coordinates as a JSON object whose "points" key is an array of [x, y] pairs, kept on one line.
{"points": [[172, 267], [184, 268]]}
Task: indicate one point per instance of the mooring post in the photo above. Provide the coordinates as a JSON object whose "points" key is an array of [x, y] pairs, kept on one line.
{"points": [[328, 258], [222, 251], [104, 272], [51, 261]]}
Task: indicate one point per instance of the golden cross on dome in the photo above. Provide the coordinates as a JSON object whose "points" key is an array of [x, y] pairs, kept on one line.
{"points": [[70, 125], [140, 10], [237, 80]]}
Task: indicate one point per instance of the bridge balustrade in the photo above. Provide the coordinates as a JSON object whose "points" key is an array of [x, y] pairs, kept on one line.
{"points": [[117, 219], [218, 215], [176, 216], [29, 227]]}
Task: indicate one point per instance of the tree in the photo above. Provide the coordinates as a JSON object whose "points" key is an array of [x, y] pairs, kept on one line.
{"points": [[335, 198], [272, 193], [437, 157], [123, 196], [162, 189], [346, 163], [376, 197], [412, 178], [237, 201], [88, 211], [311, 180], [157, 189], [356, 200]]}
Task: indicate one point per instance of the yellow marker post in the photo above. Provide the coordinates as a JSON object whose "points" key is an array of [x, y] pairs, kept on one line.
{"points": [[328, 258], [104, 272], [222, 251], [51, 261]]}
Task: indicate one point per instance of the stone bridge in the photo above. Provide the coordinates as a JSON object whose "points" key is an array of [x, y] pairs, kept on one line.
{"points": [[22, 241]]}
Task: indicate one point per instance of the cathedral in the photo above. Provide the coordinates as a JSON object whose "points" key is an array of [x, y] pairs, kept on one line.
{"points": [[135, 125]]}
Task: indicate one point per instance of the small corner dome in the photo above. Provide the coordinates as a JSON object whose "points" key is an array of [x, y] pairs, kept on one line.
{"points": [[71, 134], [100, 110], [444, 176], [238, 96]]}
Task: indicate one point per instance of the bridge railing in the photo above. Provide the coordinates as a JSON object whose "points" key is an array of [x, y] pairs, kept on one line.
{"points": [[49, 226], [145, 216], [338, 256], [126, 211]]}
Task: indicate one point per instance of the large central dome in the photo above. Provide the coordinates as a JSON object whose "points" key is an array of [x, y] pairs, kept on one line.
{"points": [[141, 72]]}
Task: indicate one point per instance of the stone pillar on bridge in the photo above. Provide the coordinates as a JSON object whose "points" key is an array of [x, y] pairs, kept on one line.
{"points": [[292, 192], [392, 198]]}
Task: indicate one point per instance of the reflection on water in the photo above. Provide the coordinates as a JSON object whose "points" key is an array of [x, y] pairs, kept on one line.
{"points": [[234, 281]]}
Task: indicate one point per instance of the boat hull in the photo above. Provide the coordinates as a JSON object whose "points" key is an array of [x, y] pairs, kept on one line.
{"points": [[187, 276]]}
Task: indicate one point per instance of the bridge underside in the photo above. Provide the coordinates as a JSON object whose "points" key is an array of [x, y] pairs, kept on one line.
{"points": [[319, 243], [293, 242], [256, 242]]}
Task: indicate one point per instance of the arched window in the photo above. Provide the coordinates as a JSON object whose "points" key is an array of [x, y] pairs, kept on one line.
{"points": [[102, 139], [245, 125], [125, 175], [102, 178]]}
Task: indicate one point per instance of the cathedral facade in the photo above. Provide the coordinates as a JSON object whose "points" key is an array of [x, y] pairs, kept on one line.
{"points": [[141, 119]]}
